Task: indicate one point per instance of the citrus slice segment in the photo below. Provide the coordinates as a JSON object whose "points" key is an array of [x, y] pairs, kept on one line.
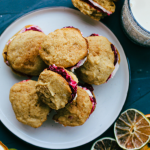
{"points": [[132, 129], [105, 144]]}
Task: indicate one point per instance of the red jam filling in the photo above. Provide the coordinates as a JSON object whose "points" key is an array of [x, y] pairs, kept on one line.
{"points": [[7, 63], [94, 34], [115, 53], [92, 98], [116, 57], [95, 7], [33, 28], [69, 27], [24, 81], [65, 75]]}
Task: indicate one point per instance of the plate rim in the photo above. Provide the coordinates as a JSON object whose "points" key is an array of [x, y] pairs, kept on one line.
{"points": [[91, 139]]}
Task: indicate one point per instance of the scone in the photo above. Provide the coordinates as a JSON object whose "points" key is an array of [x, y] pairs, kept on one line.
{"points": [[21, 53], [96, 9], [77, 112], [26, 104], [102, 61], [56, 87], [64, 47]]}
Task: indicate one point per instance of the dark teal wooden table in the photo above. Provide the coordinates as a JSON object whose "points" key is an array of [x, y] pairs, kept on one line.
{"points": [[139, 58]]}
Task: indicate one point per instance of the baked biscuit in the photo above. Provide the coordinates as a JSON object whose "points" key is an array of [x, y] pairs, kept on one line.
{"points": [[102, 61], [77, 112], [21, 52], [64, 47], [56, 87], [27, 106], [96, 9]]}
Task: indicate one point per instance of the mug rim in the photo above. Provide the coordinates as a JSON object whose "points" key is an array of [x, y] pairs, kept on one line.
{"points": [[135, 19]]}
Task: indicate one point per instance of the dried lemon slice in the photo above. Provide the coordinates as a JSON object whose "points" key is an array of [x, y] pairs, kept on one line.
{"points": [[132, 129], [106, 144]]}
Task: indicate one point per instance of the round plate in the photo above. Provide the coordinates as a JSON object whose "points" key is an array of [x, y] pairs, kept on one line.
{"points": [[110, 96]]}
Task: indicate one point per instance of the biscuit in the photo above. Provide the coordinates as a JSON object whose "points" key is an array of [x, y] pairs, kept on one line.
{"points": [[53, 88], [100, 61], [96, 9], [64, 47], [27, 106], [21, 52], [77, 112]]}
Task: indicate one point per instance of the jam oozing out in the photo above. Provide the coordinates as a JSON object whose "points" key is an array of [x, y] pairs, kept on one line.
{"points": [[33, 28], [69, 27], [115, 61], [65, 75], [7, 63], [89, 89], [97, 7], [24, 81], [94, 34], [79, 64], [115, 53]]}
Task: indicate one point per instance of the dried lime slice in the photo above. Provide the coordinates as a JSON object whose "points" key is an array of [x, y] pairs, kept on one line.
{"points": [[132, 129], [106, 144]]}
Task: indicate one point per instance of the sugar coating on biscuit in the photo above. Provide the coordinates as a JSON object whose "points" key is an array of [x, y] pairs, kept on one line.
{"points": [[100, 61], [64, 47], [22, 53], [27, 106], [53, 89], [88, 8], [77, 112]]}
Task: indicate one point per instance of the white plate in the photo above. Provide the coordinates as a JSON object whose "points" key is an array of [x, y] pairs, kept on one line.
{"points": [[110, 97]]}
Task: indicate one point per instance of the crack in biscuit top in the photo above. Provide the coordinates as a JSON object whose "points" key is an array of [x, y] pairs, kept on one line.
{"points": [[89, 89], [67, 77], [97, 7]]}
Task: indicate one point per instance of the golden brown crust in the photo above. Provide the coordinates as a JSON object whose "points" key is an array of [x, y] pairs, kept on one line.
{"points": [[27, 106], [23, 53], [92, 12], [64, 47], [100, 61], [53, 89], [77, 112]]}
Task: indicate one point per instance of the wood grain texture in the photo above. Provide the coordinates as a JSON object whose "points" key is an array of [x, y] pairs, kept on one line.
{"points": [[139, 58]]}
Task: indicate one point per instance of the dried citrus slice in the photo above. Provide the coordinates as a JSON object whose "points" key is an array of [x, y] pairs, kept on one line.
{"points": [[146, 147], [106, 144], [148, 116], [2, 146], [132, 129]]}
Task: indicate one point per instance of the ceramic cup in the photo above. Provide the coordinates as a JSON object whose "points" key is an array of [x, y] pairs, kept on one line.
{"points": [[134, 31]]}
